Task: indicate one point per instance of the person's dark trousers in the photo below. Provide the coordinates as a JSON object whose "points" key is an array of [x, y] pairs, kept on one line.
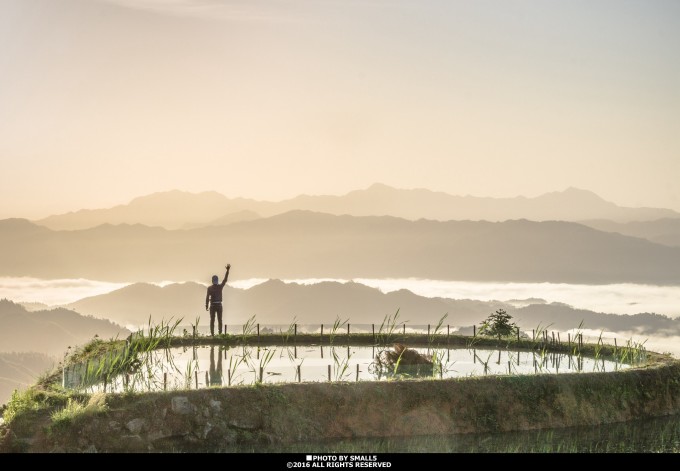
{"points": [[215, 309]]}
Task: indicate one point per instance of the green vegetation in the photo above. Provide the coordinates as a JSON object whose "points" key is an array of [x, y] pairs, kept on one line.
{"points": [[437, 330], [498, 325], [248, 329], [337, 325], [22, 402], [341, 366], [130, 365], [388, 328], [542, 400], [264, 361], [77, 409], [292, 328]]}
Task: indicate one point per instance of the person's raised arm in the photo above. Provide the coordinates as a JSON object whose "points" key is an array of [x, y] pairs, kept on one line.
{"points": [[207, 299], [226, 275]]}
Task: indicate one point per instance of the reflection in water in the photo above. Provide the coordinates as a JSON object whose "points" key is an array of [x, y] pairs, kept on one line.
{"points": [[216, 370], [204, 366]]}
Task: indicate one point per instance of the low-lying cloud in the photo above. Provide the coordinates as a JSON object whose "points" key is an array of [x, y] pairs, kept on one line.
{"points": [[624, 298], [235, 10], [621, 298], [53, 292]]}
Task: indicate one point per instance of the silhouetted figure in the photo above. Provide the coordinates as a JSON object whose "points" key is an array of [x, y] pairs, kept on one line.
{"points": [[214, 299], [215, 372]]}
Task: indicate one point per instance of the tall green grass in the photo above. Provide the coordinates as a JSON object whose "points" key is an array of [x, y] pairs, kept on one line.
{"points": [[387, 328]]}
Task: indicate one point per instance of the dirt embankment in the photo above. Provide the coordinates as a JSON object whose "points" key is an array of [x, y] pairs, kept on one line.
{"points": [[218, 419]]}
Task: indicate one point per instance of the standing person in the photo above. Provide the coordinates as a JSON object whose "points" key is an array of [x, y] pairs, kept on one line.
{"points": [[214, 299]]}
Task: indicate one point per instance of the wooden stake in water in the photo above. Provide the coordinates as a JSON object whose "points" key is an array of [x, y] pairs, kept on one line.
{"points": [[448, 333], [533, 335], [196, 378], [321, 348], [569, 339], [258, 333], [428, 330], [229, 377], [165, 381], [474, 330], [225, 329], [404, 328], [348, 331], [321, 338], [261, 373], [295, 333], [329, 372], [207, 382], [299, 374], [357, 372], [558, 339], [373, 329]]}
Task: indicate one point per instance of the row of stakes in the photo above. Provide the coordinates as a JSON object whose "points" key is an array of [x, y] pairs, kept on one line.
{"points": [[552, 339], [546, 338], [298, 374]]}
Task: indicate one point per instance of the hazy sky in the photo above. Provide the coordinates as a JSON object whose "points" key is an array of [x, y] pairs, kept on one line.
{"points": [[105, 100]]}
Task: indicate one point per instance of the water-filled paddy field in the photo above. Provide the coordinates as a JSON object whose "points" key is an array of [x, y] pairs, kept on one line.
{"points": [[196, 367]]}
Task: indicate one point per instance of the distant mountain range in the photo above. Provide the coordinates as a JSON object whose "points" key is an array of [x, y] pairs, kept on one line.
{"points": [[664, 231], [181, 210], [49, 331], [278, 303], [303, 244], [273, 302], [20, 370], [31, 342]]}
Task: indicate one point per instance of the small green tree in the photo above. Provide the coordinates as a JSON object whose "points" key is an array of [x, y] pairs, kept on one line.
{"points": [[498, 325]]}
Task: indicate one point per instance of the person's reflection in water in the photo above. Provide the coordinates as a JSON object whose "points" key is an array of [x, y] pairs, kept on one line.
{"points": [[215, 372]]}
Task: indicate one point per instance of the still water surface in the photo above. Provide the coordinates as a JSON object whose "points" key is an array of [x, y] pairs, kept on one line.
{"points": [[210, 366]]}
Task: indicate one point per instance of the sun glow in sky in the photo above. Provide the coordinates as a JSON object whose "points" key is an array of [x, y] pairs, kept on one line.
{"points": [[105, 100]]}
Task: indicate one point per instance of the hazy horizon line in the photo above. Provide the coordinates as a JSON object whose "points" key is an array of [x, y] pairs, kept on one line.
{"points": [[130, 200], [613, 298]]}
